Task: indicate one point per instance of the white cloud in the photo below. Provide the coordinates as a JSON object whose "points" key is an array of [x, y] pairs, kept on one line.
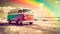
{"points": [[56, 1]]}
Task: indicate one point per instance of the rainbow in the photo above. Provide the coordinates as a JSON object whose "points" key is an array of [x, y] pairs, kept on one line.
{"points": [[34, 4]]}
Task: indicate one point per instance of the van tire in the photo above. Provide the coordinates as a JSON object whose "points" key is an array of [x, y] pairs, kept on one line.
{"points": [[30, 23]]}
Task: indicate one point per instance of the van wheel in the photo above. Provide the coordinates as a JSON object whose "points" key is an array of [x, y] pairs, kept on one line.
{"points": [[30, 23], [9, 22]]}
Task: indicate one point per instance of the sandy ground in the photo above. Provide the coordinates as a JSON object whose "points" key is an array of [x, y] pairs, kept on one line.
{"points": [[36, 28]]}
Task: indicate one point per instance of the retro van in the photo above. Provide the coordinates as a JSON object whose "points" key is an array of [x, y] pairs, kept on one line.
{"points": [[20, 17]]}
